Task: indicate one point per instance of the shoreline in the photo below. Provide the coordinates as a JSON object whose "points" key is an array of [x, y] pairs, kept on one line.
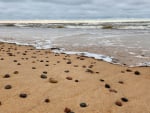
{"points": [[33, 80]]}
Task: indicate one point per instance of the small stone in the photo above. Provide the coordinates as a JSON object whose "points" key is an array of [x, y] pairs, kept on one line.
{"points": [[90, 71], [43, 76], [8, 87], [69, 62], [76, 80], [41, 61], [83, 105], [16, 72], [52, 80], [69, 78], [66, 71], [124, 99], [45, 72], [118, 103], [113, 90], [129, 70], [84, 66], [15, 60], [137, 73], [107, 86], [91, 66], [33, 67], [6, 76], [120, 82], [18, 64], [23, 95], [47, 100], [46, 64], [102, 80], [67, 110]]}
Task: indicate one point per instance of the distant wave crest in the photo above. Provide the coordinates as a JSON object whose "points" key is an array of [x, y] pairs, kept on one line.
{"points": [[105, 25]]}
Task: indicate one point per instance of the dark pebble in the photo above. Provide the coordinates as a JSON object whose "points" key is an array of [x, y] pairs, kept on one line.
{"points": [[102, 80], [8, 87], [120, 82], [76, 80], [15, 60], [33, 67], [47, 100], [137, 73], [69, 78], [107, 86], [113, 90], [118, 103], [16, 72], [23, 95], [68, 62], [90, 71], [83, 105], [67, 110], [66, 71], [129, 70], [43, 76], [124, 99], [6, 76], [18, 64], [46, 65], [45, 72]]}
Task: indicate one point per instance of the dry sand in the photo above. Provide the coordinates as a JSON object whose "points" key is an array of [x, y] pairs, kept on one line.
{"points": [[21, 68]]}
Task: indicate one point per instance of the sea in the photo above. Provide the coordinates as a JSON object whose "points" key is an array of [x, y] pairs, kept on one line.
{"points": [[123, 42]]}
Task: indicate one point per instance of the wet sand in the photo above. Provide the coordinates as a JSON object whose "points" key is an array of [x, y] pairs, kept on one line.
{"points": [[39, 81]]}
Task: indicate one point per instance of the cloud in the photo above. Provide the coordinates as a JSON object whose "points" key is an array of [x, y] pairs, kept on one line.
{"points": [[73, 9]]}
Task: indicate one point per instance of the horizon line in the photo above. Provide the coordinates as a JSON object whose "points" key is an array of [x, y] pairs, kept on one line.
{"points": [[75, 21]]}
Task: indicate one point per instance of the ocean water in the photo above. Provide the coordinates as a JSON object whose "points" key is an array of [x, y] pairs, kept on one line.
{"points": [[119, 42]]}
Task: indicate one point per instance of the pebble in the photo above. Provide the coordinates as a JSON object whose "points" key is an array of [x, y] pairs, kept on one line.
{"points": [[69, 62], [137, 73], [23, 95], [118, 103], [124, 99], [52, 80], [129, 70], [102, 80], [66, 71], [121, 82], [83, 105], [43, 76], [90, 71], [76, 80], [69, 78], [6, 76], [16, 72], [113, 90], [33, 67], [67, 110], [45, 72], [47, 100], [8, 87], [107, 86]]}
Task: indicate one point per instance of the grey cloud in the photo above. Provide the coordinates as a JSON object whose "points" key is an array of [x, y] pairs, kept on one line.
{"points": [[73, 9]]}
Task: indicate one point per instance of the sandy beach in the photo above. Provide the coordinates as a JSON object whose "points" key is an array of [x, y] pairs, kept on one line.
{"points": [[40, 81]]}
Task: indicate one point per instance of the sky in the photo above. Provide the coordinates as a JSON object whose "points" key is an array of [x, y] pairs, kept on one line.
{"points": [[73, 9]]}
